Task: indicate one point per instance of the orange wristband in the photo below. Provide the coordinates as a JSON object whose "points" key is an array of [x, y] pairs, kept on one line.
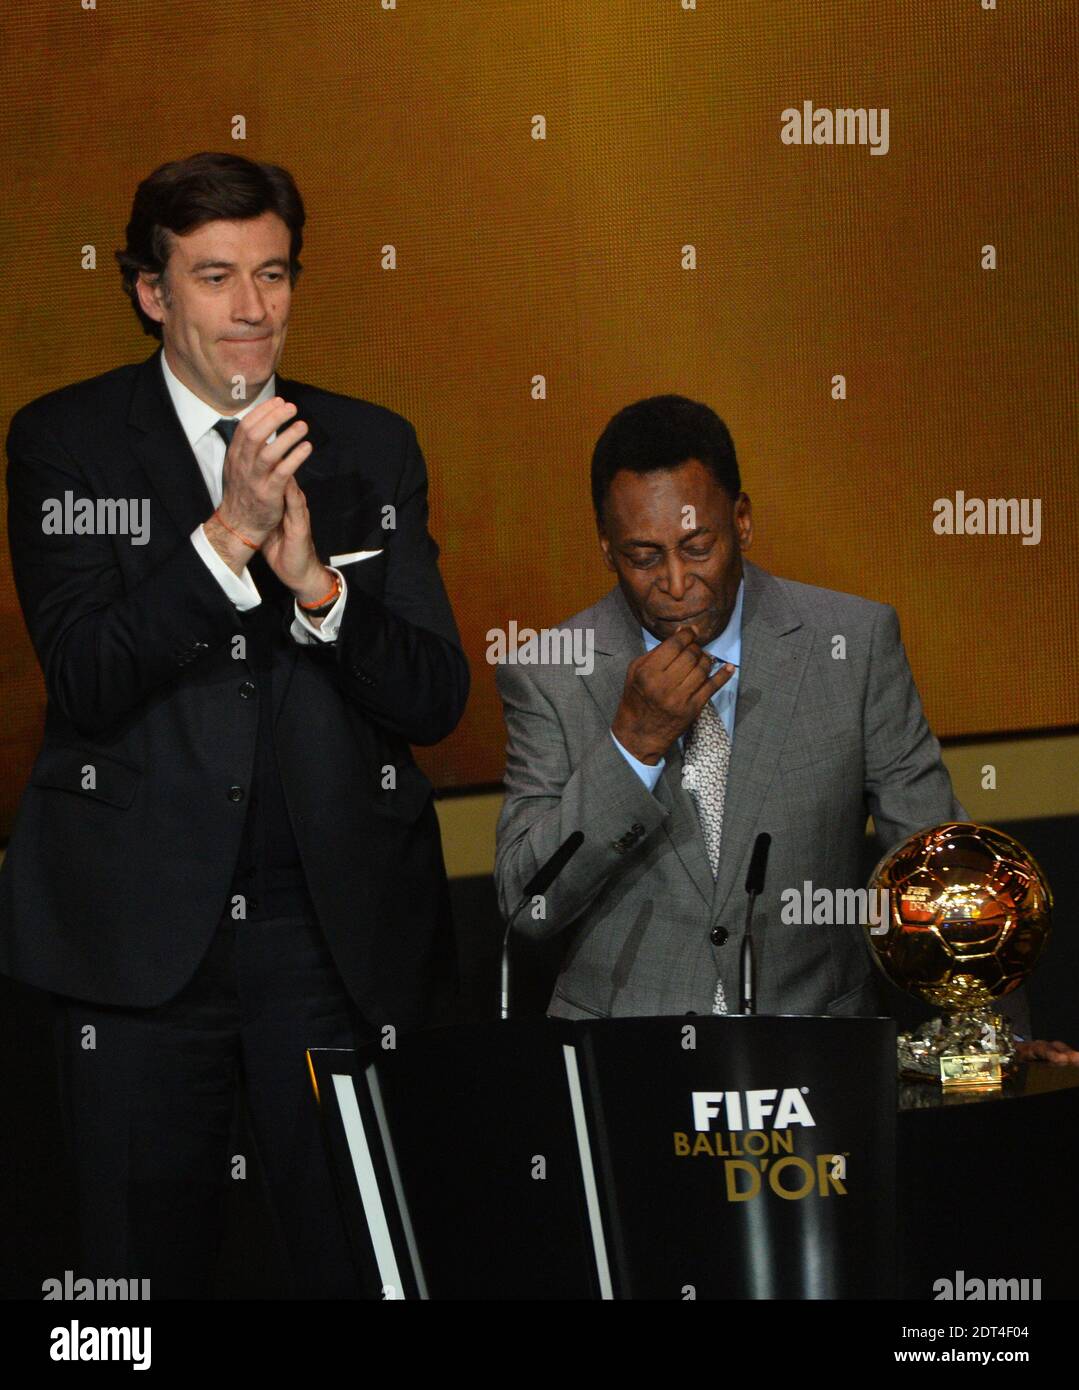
{"points": [[333, 593], [228, 528]]}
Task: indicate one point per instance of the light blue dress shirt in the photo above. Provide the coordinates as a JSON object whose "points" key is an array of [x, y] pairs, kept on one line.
{"points": [[727, 647]]}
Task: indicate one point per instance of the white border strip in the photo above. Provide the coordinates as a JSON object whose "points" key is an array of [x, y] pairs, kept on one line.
{"points": [[395, 1178], [588, 1173], [373, 1209]]}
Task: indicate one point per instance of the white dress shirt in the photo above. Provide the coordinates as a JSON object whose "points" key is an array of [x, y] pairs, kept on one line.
{"points": [[197, 419], [727, 647]]}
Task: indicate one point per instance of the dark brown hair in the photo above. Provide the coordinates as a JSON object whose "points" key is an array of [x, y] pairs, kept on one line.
{"points": [[187, 193]]}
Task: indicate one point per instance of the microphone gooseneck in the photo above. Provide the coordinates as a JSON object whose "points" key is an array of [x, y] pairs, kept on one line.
{"points": [[540, 881], [758, 867]]}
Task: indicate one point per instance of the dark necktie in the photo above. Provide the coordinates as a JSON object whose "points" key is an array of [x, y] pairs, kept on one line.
{"points": [[226, 429]]}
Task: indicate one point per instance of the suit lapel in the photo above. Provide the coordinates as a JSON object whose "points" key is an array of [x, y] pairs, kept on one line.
{"points": [[775, 648], [617, 640], [321, 464], [161, 447]]}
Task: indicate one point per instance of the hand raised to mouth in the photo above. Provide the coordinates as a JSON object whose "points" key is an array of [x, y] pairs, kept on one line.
{"points": [[665, 691]]}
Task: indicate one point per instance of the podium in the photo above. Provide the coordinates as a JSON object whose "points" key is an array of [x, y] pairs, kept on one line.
{"points": [[660, 1158]]}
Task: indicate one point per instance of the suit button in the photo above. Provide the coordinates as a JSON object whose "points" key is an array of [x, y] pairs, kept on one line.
{"points": [[718, 936], [236, 793], [247, 690]]}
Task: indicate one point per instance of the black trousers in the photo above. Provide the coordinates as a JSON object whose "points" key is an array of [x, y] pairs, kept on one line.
{"points": [[148, 1098]]}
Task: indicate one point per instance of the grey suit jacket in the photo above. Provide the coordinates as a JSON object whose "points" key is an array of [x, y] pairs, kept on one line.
{"points": [[820, 740]]}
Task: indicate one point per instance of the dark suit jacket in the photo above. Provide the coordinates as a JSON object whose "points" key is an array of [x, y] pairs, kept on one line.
{"points": [[111, 892]]}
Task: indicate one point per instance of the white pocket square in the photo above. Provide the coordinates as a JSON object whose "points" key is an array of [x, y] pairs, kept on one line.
{"points": [[350, 556]]}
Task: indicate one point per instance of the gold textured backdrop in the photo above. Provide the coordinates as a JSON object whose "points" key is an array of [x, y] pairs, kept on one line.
{"points": [[562, 257]]}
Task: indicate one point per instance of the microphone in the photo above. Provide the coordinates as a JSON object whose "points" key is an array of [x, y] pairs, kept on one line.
{"points": [[758, 865], [540, 881]]}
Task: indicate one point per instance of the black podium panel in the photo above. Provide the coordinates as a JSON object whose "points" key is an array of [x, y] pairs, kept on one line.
{"points": [[465, 1157], [745, 1157], [483, 1130]]}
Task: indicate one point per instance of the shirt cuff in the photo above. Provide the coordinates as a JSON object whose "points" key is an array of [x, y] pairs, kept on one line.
{"points": [[647, 772], [304, 631], [239, 588]]}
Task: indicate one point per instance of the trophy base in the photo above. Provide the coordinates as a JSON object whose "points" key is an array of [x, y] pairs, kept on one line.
{"points": [[969, 1050]]}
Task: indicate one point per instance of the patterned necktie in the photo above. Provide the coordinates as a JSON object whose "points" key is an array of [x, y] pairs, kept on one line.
{"points": [[705, 760]]}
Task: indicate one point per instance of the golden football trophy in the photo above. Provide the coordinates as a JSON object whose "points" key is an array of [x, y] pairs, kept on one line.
{"points": [[967, 913]]}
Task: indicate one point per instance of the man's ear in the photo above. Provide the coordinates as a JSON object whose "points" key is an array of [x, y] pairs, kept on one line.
{"points": [[605, 547], [150, 293], [743, 520]]}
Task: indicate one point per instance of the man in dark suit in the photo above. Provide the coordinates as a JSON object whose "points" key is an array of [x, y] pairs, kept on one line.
{"points": [[226, 853]]}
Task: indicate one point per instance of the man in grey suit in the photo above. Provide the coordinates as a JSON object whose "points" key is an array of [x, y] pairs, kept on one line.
{"points": [[722, 702]]}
